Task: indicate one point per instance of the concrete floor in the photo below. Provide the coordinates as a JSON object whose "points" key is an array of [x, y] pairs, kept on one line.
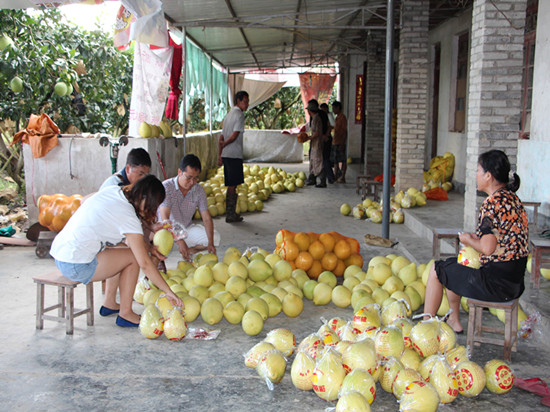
{"points": [[105, 367]]}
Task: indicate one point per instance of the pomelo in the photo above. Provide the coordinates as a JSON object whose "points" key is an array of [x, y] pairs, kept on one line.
{"points": [[292, 305], [272, 366], [499, 376], [301, 371], [352, 401], [175, 327], [252, 323], [255, 353], [151, 323], [164, 241], [328, 376], [283, 340], [419, 396], [233, 312], [212, 311], [471, 378]]}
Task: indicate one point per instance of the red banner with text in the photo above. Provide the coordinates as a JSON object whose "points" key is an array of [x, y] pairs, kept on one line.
{"points": [[359, 99]]}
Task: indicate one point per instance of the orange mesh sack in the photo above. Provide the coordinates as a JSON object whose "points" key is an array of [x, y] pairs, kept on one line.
{"points": [[437, 193]]}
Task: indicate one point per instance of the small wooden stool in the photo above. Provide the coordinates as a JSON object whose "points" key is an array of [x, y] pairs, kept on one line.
{"points": [[510, 331], [444, 233], [368, 187], [538, 246], [535, 206], [66, 311]]}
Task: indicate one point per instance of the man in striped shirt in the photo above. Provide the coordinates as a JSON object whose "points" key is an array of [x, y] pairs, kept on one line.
{"points": [[183, 197]]}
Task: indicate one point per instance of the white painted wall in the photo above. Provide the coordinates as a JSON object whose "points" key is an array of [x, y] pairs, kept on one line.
{"points": [[534, 154], [448, 141]]}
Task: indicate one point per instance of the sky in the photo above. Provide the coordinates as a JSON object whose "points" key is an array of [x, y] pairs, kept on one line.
{"points": [[87, 16]]}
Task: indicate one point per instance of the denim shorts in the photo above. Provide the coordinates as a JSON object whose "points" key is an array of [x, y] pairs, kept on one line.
{"points": [[78, 272]]}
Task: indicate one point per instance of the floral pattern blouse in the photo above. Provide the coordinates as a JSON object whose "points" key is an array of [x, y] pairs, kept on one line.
{"points": [[503, 215]]}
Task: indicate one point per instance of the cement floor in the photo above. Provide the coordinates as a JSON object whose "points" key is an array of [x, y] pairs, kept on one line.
{"points": [[105, 367]]}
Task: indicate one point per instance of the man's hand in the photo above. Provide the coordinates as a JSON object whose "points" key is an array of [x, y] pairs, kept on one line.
{"points": [[184, 250], [212, 249]]}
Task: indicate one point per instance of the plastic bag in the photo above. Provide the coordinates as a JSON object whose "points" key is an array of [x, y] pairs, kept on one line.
{"points": [[443, 379], [202, 334], [283, 340], [272, 367], [175, 326], [178, 231], [312, 344], [531, 327], [301, 372], [328, 375], [437, 193], [255, 353]]}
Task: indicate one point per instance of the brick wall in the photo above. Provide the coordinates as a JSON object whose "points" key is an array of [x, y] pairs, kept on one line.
{"points": [[494, 95], [412, 94]]}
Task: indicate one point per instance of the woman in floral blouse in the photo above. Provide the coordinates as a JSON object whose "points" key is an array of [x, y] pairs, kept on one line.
{"points": [[501, 238]]}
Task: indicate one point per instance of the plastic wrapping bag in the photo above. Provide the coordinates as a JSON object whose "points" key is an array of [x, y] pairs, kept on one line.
{"points": [[410, 359], [456, 355], [499, 376], [312, 344], [361, 381], [347, 332], [403, 378], [254, 354], [141, 288], [283, 340], [334, 323], [301, 371], [389, 342], [419, 396], [530, 328], [389, 369], [471, 378], [425, 337], [328, 375], [352, 401], [202, 333], [406, 326], [175, 327], [367, 318], [328, 336], [426, 366], [395, 310], [443, 379], [360, 355], [178, 231], [151, 323], [271, 367]]}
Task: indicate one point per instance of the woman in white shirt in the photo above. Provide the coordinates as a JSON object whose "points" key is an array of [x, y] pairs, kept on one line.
{"points": [[82, 249]]}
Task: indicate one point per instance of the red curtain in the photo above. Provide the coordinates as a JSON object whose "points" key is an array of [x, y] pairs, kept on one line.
{"points": [[171, 111]]}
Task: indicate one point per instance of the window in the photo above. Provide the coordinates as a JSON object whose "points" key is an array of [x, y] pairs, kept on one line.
{"points": [[459, 122], [528, 68]]}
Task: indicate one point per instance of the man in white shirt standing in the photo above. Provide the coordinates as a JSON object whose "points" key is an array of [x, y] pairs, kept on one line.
{"points": [[231, 154], [183, 197]]}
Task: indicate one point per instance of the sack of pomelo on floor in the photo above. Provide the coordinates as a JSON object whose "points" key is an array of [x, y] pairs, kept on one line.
{"points": [[301, 372], [443, 379], [318, 252], [175, 327], [151, 323], [361, 381], [419, 396], [470, 377], [328, 375], [499, 377], [352, 401], [468, 256], [271, 367], [55, 210], [425, 337], [283, 340], [252, 357]]}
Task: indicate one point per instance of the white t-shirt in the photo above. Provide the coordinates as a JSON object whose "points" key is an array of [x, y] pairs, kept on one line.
{"points": [[102, 220], [233, 122], [112, 180]]}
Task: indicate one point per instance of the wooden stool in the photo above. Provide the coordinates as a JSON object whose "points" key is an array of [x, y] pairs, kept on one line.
{"points": [[510, 331], [539, 246], [66, 311], [368, 187], [443, 233], [535, 206]]}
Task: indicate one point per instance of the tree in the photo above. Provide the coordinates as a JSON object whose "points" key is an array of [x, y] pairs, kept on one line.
{"points": [[283, 110], [46, 52]]}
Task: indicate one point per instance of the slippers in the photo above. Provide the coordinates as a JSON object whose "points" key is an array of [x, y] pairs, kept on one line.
{"points": [[460, 332], [125, 323], [103, 311]]}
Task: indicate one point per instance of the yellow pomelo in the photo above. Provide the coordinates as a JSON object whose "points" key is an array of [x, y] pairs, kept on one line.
{"points": [[220, 272], [322, 294], [308, 288], [292, 305], [360, 355], [252, 323], [279, 292], [347, 332], [447, 337], [192, 308], [468, 256], [406, 325], [341, 296], [301, 372], [499, 376], [207, 258], [392, 284], [328, 376], [415, 299], [259, 305], [389, 342], [381, 272], [259, 269], [164, 241], [212, 311], [233, 312], [141, 288], [443, 380], [410, 359], [231, 255], [399, 263], [312, 345], [388, 373], [328, 277], [255, 353], [203, 276], [425, 337], [274, 304], [359, 380], [470, 377], [403, 378], [367, 318], [294, 289], [283, 340], [393, 311], [408, 274], [300, 276], [379, 259], [328, 336], [151, 323], [282, 270], [345, 209], [163, 305], [224, 297], [237, 268], [380, 295], [272, 259], [352, 401], [272, 366], [175, 327], [456, 355], [351, 270], [419, 396], [200, 293], [357, 295], [236, 285]]}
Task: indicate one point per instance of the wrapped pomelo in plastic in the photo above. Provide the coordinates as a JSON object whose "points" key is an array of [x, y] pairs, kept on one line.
{"points": [[348, 332], [468, 256], [352, 402], [336, 323], [419, 396], [425, 337], [163, 305], [328, 336], [342, 346], [393, 311], [141, 287], [388, 372], [302, 371], [389, 342], [361, 381], [368, 334], [311, 344], [410, 359], [426, 367], [406, 326], [470, 377], [443, 380], [447, 337], [377, 371], [282, 339], [175, 327], [361, 355], [271, 367], [252, 357], [499, 376], [456, 355], [367, 318], [151, 323], [403, 378], [328, 376]]}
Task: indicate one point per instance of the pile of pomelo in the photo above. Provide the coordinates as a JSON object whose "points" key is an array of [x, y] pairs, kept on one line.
{"points": [[316, 253], [259, 184]]}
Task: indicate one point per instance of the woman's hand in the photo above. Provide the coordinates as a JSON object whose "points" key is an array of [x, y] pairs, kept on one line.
{"points": [[174, 299], [212, 249], [184, 250], [467, 238], [155, 253]]}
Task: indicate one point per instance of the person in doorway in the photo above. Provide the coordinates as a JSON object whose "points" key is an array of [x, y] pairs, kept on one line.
{"points": [[501, 238], [327, 146], [138, 165], [318, 137], [83, 250], [183, 197], [338, 153], [230, 153]]}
